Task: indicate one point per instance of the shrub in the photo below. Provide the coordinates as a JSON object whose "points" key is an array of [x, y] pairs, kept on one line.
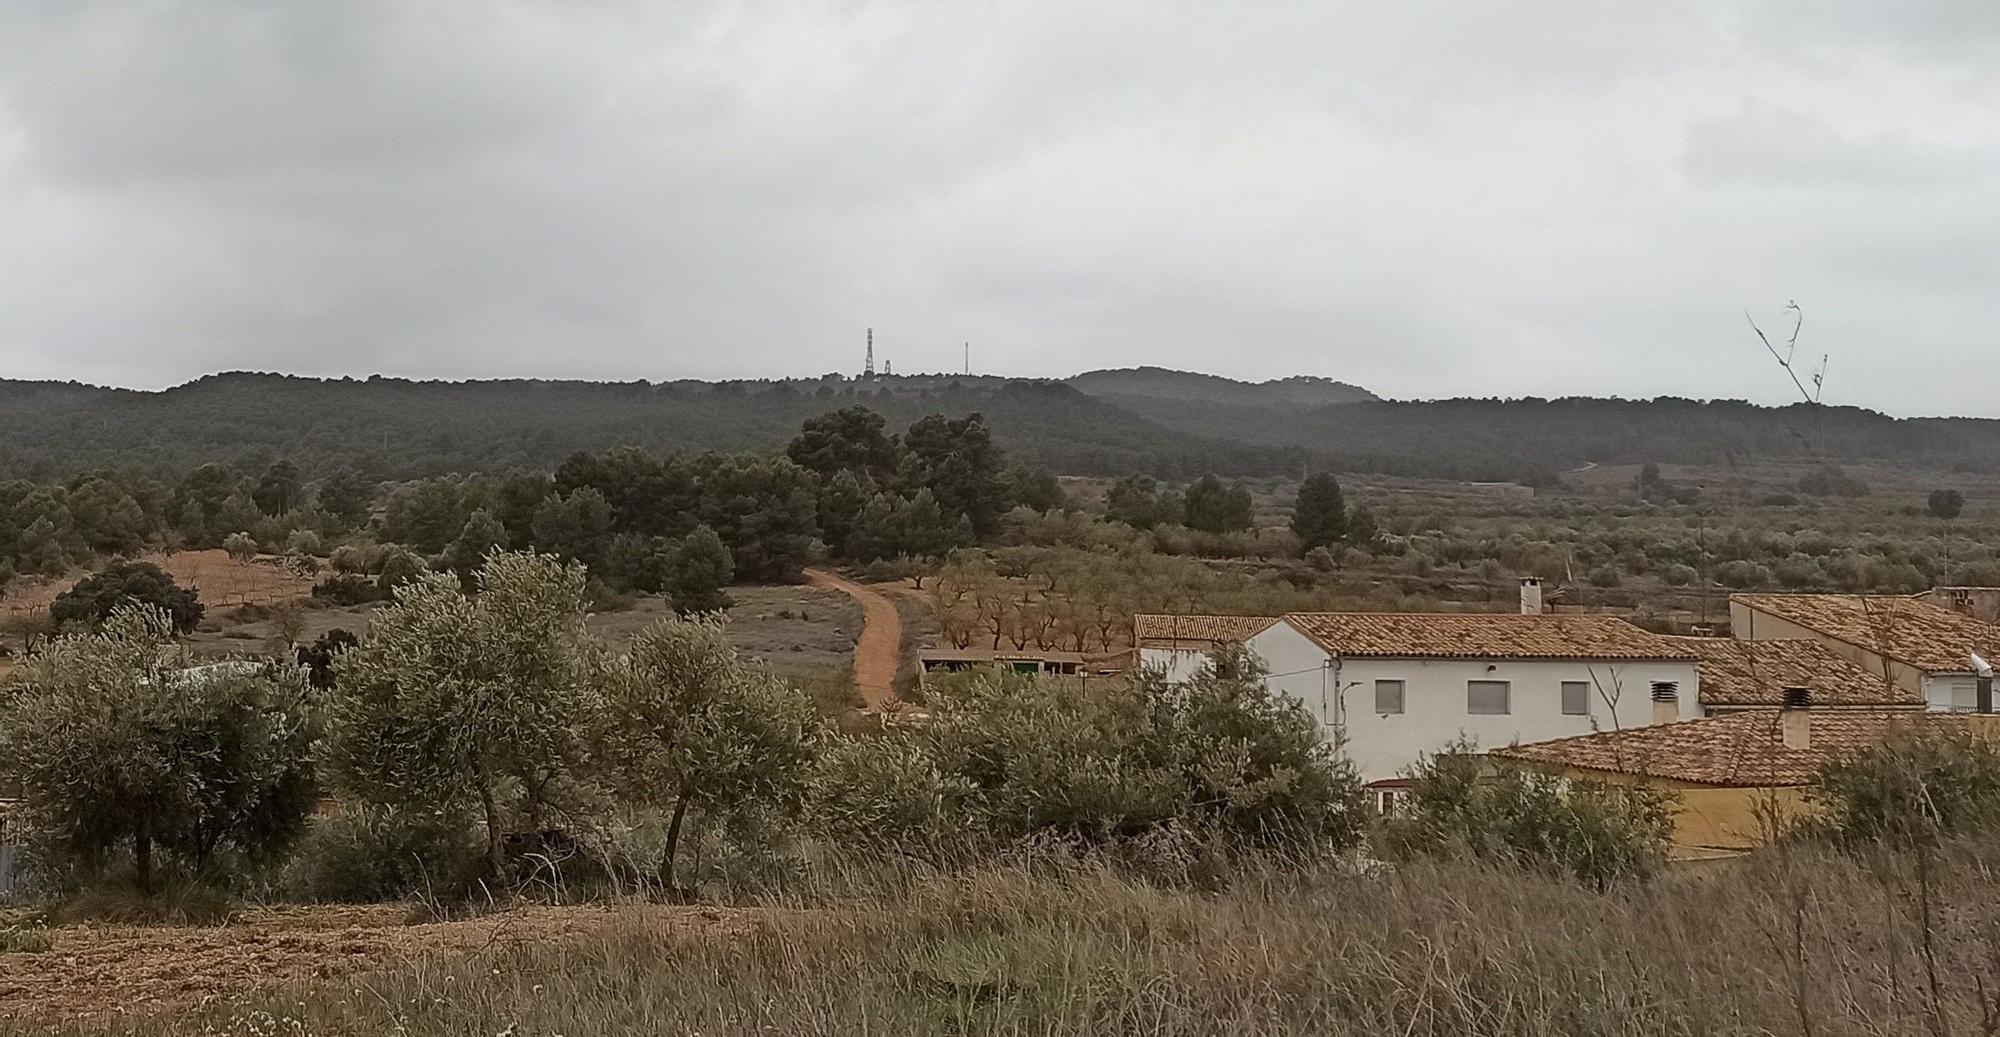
{"points": [[365, 854], [1598, 834], [144, 584], [349, 589], [241, 547], [356, 559], [302, 542], [1006, 757], [399, 565], [318, 657], [1926, 779]]}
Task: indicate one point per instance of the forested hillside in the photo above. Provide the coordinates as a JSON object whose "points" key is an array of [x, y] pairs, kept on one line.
{"points": [[1531, 439], [1175, 425], [1163, 384], [393, 428]]}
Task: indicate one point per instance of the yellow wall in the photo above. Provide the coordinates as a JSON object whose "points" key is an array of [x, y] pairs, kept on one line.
{"points": [[1733, 819], [1712, 817]]}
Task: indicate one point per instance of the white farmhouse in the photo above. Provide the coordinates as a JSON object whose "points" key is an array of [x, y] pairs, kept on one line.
{"points": [[1397, 686], [1180, 646], [1921, 648]]}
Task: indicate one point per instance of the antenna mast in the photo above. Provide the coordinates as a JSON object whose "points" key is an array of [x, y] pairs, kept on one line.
{"points": [[868, 369], [968, 358]]}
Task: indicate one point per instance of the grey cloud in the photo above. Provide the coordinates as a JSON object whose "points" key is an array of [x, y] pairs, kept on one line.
{"points": [[1543, 198], [1768, 146]]}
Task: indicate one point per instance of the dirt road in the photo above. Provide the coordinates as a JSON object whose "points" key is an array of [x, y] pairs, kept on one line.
{"points": [[880, 646]]}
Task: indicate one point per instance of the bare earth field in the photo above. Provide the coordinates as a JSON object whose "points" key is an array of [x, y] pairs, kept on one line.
{"points": [[220, 581], [96, 971], [799, 630]]}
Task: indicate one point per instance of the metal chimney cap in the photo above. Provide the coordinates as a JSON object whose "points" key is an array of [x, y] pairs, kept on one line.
{"points": [[1798, 698], [1666, 691]]}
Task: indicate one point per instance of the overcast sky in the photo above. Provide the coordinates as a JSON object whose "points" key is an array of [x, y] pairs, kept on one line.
{"points": [[1428, 199]]}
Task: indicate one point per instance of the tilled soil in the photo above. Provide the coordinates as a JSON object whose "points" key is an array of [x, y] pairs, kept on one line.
{"points": [[96, 971]]}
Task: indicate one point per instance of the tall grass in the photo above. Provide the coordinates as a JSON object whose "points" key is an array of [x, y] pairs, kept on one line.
{"points": [[1797, 941]]}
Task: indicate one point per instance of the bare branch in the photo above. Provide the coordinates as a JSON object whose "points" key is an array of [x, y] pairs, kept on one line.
{"points": [[1785, 359]]}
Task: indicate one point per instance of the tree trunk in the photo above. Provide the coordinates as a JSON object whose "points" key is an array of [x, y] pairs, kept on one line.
{"points": [[673, 839], [142, 861], [495, 860]]}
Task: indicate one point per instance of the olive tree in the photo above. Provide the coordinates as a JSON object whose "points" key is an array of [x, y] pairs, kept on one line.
{"points": [[112, 749], [1006, 756], [691, 727], [455, 698]]}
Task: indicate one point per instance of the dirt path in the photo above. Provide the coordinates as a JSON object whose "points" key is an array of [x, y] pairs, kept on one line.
{"points": [[879, 648]]}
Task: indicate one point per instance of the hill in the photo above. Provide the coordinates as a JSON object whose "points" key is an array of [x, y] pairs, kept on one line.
{"points": [[395, 428], [1531, 439], [1159, 383]]}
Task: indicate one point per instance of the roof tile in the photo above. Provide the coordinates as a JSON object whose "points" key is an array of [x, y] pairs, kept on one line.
{"points": [[1739, 750], [1482, 635], [1160, 631], [1909, 630], [1755, 674]]}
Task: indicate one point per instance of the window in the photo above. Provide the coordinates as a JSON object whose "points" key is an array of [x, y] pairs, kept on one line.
{"points": [[1486, 698], [1388, 696], [1576, 698]]}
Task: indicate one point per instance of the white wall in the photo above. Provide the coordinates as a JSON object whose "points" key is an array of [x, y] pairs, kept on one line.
{"points": [[1956, 692], [1178, 664], [1342, 695]]}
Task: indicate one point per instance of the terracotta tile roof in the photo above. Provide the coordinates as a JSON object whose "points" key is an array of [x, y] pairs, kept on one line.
{"points": [[1739, 750], [1909, 630], [1481, 635], [1151, 631], [1755, 674]]}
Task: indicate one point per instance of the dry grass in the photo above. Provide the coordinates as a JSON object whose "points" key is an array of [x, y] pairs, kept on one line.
{"points": [[1793, 942]]}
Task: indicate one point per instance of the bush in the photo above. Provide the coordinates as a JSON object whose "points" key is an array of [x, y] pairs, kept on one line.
{"points": [[302, 542], [95, 597], [356, 559], [1926, 779], [1006, 757], [241, 547], [399, 565], [1596, 833], [318, 657], [349, 589], [367, 854]]}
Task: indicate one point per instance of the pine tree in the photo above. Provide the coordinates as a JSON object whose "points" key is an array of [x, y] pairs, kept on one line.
{"points": [[1319, 516]]}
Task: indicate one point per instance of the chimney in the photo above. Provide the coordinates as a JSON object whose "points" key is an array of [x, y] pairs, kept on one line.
{"points": [[1666, 702], [1531, 595], [1795, 718]]}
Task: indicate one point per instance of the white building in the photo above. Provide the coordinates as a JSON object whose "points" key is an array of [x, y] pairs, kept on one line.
{"points": [[1397, 686], [1922, 648], [1180, 646]]}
